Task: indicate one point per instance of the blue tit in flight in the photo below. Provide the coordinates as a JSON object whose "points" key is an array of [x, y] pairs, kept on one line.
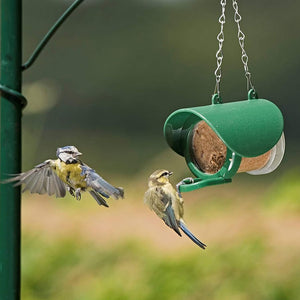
{"points": [[163, 199], [67, 173]]}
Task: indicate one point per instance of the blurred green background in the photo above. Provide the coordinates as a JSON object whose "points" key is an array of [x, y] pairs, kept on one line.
{"points": [[106, 83]]}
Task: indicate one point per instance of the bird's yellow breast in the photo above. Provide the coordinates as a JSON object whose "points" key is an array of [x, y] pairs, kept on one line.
{"points": [[70, 174]]}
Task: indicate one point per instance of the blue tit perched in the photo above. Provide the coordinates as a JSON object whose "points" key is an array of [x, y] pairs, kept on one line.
{"points": [[67, 173], [163, 199]]}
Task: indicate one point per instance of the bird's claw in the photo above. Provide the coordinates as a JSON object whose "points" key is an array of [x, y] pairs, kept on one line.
{"points": [[78, 194], [191, 180], [71, 191], [75, 193]]}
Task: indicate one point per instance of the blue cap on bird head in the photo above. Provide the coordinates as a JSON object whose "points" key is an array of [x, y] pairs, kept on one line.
{"points": [[67, 152]]}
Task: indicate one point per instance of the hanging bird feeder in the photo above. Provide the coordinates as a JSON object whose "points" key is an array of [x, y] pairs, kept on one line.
{"points": [[221, 139]]}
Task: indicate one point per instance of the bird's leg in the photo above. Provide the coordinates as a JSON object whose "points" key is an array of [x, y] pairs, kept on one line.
{"points": [[78, 194], [181, 183], [166, 206], [71, 191]]}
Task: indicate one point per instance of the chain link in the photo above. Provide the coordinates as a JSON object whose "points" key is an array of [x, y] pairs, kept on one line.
{"points": [[219, 54], [241, 38]]}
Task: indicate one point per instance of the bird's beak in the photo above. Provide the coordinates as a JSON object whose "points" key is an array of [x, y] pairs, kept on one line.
{"points": [[78, 153], [170, 173]]}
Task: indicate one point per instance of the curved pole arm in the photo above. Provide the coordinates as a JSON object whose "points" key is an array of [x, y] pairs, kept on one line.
{"points": [[49, 34]]}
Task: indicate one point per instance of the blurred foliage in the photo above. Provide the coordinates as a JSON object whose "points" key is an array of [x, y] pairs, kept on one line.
{"points": [[79, 271], [285, 192]]}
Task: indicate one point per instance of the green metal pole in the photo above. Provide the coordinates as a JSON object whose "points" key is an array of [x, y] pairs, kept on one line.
{"points": [[10, 148]]}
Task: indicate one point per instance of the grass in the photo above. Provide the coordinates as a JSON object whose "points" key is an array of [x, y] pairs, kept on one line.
{"points": [[77, 270]]}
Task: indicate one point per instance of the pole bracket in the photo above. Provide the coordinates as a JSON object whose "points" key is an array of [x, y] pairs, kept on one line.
{"points": [[14, 94]]}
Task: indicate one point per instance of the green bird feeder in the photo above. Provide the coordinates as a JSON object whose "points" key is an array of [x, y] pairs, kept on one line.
{"points": [[221, 139]]}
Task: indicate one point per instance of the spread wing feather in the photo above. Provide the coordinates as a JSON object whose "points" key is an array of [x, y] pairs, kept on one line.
{"points": [[99, 185], [41, 179], [98, 198]]}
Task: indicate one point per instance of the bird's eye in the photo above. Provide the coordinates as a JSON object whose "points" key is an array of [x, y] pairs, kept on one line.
{"points": [[164, 174]]}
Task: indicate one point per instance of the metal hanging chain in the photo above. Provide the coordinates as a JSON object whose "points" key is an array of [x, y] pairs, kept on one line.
{"points": [[241, 37], [219, 54]]}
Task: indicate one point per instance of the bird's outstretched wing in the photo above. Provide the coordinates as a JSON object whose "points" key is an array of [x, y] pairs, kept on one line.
{"points": [[100, 186], [41, 179]]}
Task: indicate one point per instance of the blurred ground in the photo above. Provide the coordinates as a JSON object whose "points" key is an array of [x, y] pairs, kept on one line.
{"points": [[130, 218], [82, 251]]}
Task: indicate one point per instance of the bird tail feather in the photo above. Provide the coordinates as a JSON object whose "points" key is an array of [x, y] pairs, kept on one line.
{"points": [[99, 199], [121, 191], [190, 235]]}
